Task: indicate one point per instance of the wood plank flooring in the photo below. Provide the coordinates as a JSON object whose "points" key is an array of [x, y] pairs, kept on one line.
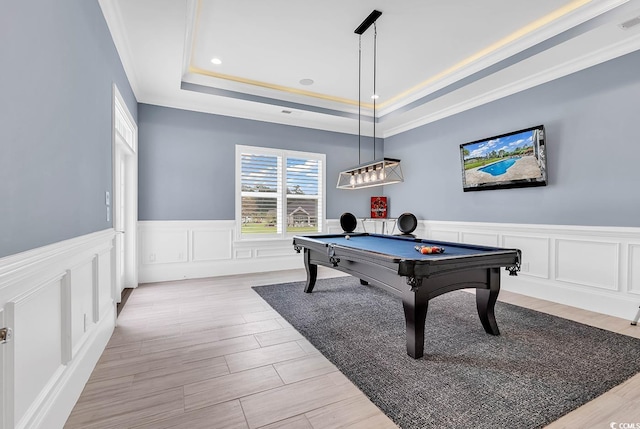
{"points": [[210, 353]]}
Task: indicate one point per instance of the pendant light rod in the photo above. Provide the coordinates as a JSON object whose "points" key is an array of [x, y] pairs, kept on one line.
{"points": [[359, 94], [375, 94], [379, 172], [364, 26], [373, 16]]}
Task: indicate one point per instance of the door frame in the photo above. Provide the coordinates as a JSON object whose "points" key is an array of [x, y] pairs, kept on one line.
{"points": [[125, 204]]}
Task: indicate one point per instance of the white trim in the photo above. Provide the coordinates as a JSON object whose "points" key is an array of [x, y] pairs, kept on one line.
{"points": [[60, 401], [124, 156], [586, 249], [27, 280], [162, 241], [572, 66], [616, 298], [48, 261], [546, 32], [115, 23], [6, 386]]}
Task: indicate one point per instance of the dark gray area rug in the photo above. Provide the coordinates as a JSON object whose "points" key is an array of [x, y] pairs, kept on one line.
{"points": [[538, 369]]}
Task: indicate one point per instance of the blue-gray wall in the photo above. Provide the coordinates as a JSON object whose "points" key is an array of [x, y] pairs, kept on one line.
{"points": [[187, 158], [59, 63], [58, 66], [186, 165], [592, 122]]}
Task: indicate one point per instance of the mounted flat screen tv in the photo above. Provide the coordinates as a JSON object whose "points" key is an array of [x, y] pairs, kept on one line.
{"points": [[512, 160]]}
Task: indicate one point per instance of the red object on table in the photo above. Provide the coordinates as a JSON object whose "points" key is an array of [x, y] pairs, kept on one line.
{"points": [[378, 207]]}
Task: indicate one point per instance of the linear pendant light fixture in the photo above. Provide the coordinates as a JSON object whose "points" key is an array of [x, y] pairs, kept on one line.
{"points": [[378, 172]]}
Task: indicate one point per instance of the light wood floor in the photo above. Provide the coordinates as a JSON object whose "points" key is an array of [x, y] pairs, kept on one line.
{"points": [[211, 353]]}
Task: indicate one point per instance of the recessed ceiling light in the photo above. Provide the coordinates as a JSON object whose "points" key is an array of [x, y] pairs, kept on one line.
{"points": [[375, 96], [306, 82], [216, 61]]}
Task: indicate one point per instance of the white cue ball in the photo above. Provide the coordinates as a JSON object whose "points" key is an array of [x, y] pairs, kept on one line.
{"points": [[347, 237]]}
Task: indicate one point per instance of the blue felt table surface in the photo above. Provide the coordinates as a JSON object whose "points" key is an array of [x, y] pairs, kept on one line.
{"points": [[402, 248]]}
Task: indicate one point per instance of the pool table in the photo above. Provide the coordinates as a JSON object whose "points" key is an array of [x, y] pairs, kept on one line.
{"points": [[393, 263]]}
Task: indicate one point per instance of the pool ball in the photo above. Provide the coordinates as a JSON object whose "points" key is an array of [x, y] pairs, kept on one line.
{"points": [[347, 237]]}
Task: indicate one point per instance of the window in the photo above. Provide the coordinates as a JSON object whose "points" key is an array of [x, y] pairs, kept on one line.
{"points": [[280, 192]]}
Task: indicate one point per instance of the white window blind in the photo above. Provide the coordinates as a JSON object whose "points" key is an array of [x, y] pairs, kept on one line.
{"points": [[281, 192]]}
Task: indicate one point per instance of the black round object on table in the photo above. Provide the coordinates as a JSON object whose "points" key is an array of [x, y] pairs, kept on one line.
{"points": [[407, 223], [348, 222]]}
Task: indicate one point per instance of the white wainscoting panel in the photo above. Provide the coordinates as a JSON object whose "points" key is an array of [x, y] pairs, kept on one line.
{"points": [[211, 244], [37, 338], [281, 249], [7, 379], [589, 263], [166, 246], [595, 268], [211, 251], [104, 290], [82, 299], [481, 239], [49, 297], [634, 268], [535, 254], [243, 253], [443, 235]]}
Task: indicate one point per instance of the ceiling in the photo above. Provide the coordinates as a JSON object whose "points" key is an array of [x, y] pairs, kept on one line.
{"points": [[433, 58]]}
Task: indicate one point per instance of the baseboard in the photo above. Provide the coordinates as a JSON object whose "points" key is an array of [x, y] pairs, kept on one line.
{"points": [[613, 305]]}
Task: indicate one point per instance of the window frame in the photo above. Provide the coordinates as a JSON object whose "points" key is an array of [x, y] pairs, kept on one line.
{"points": [[284, 154]]}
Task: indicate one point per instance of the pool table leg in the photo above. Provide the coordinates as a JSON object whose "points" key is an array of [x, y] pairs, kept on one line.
{"points": [[312, 272], [415, 306], [486, 302]]}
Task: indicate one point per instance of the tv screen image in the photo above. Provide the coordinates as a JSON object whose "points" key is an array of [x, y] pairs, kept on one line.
{"points": [[516, 159]]}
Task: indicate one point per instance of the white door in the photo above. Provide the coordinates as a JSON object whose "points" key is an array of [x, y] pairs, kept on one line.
{"points": [[125, 198]]}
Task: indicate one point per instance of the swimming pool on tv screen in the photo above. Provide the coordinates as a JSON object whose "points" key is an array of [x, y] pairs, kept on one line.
{"points": [[500, 167]]}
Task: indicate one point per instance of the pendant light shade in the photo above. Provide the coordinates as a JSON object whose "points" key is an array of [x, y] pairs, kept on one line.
{"points": [[386, 171], [378, 172]]}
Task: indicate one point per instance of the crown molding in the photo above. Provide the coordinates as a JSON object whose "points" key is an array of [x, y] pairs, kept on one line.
{"points": [[599, 56], [115, 23], [572, 19]]}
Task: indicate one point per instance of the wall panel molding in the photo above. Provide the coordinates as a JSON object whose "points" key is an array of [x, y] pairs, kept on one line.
{"points": [[47, 294], [590, 267], [480, 238], [588, 263], [633, 271], [595, 268], [213, 250], [535, 251]]}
